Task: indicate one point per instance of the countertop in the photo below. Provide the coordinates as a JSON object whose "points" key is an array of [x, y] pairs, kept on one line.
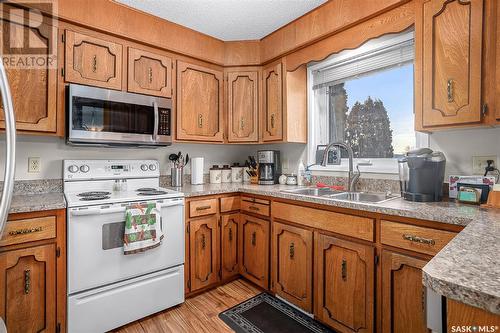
{"points": [[466, 270], [25, 203]]}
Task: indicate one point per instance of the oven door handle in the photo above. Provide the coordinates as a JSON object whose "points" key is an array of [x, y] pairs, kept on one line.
{"points": [[96, 211], [157, 121], [170, 204]]}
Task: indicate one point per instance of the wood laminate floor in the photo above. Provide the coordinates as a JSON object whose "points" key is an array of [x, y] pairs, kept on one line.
{"points": [[197, 314]]}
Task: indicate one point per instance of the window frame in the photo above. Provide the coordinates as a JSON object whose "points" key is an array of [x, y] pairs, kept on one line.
{"points": [[378, 165]]}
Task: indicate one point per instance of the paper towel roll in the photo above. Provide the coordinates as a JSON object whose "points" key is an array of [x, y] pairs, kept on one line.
{"points": [[197, 170]]}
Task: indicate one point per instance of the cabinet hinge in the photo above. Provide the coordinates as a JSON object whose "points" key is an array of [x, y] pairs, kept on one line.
{"points": [[376, 260], [58, 252], [220, 273], [58, 328], [63, 38], [187, 229], [62, 72], [272, 284], [189, 284], [484, 109]]}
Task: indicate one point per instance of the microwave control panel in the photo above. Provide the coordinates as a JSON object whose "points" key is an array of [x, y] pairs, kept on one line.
{"points": [[164, 125]]}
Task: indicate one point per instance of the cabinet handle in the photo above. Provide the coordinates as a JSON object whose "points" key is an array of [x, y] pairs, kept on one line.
{"points": [[230, 234], [25, 231], [200, 120], [203, 241], [242, 123], [203, 208], [27, 281], [292, 250], [344, 270], [94, 63], [450, 91], [254, 208], [272, 120], [150, 75], [254, 238], [421, 240]]}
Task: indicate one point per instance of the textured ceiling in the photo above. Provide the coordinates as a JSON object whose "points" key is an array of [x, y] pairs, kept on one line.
{"points": [[228, 19]]}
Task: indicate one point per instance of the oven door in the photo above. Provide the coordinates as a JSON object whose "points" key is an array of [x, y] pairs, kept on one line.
{"points": [[109, 117], [95, 245]]}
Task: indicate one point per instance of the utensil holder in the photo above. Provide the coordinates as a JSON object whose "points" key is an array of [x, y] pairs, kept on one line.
{"points": [[176, 177]]}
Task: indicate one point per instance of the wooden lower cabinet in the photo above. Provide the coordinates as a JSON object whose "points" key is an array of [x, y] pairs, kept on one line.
{"points": [[345, 284], [462, 315], [403, 300], [229, 245], [254, 250], [204, 252], [292, 263], [28, 301]]}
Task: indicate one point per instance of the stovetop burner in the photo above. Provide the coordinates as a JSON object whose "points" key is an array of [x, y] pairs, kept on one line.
{"points": [[146, 189], [154, 192], [93, 198], [92, 194]]}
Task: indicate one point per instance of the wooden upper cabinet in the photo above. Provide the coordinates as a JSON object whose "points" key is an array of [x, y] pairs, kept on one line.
{"points": [[292, 264], [33, 88], [28, 301], [243, 106], [229, 245], [204, 249], [345, 284], [254, 250], [272, 103], [93, 61], [452, 47], [149, 73], [403, 300], [199, 103]]}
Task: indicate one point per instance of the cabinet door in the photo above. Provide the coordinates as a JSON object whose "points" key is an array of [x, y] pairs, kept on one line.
{"points": [[273, 103], [403, 302], [345, 284], [33, 88], [229, 245], [497, 101], [452, 42], [204, 249], [28, 301], [149, 73], [242, 106], [93, 61], [199, 103], [254, 250], [292, 264]]}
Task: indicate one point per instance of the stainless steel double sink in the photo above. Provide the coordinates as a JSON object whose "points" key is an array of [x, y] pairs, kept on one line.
{"points": [[364, 197]]}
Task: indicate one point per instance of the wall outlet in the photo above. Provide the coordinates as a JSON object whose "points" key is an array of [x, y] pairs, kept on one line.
{"points": [[34, 164], [479, 163]]}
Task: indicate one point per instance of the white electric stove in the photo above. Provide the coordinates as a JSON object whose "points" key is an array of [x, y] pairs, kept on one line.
{"points": [[107, 289]]}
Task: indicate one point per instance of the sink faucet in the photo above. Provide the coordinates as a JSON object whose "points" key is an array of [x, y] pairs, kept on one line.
{"points": [[351, 179]]}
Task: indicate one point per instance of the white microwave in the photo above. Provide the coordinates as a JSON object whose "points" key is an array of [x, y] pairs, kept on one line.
{"points": [[97, 116]]}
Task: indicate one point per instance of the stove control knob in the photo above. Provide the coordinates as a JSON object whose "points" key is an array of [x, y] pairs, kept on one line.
{"points": [[152, 167], [84, 168], [144, 167], [73, 168]]}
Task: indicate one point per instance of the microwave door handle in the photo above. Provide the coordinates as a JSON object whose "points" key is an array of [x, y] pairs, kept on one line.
{"points": [[157, 122]]}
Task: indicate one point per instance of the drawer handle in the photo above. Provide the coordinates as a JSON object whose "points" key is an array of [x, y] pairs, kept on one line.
{"points": [[230, 234], [25, 231], [203, 242], [344, 270], [27, 281], [203, 207], [421, 240], [254, 238], [94, 63], [254, 208], [292, 250]]}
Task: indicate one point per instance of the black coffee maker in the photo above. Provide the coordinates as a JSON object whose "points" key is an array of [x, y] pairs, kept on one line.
{"points": [[269, 166], [421, 175]]}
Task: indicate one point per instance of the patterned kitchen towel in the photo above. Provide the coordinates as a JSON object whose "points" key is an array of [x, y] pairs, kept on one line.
{"points": [[142, 228]]}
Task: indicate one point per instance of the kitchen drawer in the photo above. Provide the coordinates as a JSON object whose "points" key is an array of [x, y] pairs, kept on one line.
{"points": [[344, 224], [256, 206], [229, 204], [29, 230], [414, 238], [202, 207]]}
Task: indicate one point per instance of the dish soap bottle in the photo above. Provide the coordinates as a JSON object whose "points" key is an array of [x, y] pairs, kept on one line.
{"points": [[301, 173]]}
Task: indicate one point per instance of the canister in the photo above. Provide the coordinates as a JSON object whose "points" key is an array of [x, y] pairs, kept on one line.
{"points": [[215, 175], [236, 173], [226, 174]]}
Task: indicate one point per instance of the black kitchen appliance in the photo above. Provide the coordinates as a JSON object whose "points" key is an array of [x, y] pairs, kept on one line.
{"points": [[421, 175]]}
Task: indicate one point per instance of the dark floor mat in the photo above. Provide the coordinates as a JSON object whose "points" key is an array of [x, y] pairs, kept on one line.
{"points": [[267, 314]]}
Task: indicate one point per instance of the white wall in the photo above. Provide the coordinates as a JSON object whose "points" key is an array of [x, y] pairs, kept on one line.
{"points": [[53, 150]]}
